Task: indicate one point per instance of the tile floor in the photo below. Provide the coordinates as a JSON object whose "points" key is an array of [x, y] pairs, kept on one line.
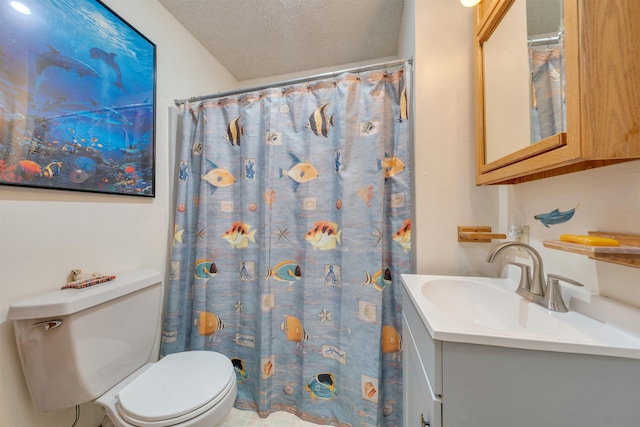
{"points": [[239, 418]]}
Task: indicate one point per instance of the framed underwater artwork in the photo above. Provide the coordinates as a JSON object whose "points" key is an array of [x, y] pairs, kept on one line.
{"points": [[77, 98]]}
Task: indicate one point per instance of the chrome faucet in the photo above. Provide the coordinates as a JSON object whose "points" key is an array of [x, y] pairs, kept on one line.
{"points": [[532, 287], [536, 284]]}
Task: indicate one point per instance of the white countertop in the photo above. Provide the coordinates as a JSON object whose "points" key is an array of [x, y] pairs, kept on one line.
{"points": [[601, 327]]}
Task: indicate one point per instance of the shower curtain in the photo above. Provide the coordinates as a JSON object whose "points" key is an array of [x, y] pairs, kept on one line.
{"points": [[548, 112], [292, 230]]}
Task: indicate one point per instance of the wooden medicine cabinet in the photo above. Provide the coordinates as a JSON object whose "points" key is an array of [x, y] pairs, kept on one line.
{"points": [[593, 54]]}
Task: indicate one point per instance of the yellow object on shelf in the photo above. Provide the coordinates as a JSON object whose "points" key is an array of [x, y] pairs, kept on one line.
{"points": [[589, 240]]}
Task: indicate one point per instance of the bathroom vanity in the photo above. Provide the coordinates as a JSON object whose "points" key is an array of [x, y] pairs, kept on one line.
{"points": [[476, 354]]}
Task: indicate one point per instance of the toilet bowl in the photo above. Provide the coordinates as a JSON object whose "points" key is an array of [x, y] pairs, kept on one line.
{"points": [[190, 389], [93, 345]]}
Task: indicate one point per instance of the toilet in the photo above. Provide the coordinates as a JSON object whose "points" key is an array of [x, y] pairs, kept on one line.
{"points": [[93, 345]]}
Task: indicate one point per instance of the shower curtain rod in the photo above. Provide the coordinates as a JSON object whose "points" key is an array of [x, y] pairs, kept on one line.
{"points": [[330, 74], [544, 40]]}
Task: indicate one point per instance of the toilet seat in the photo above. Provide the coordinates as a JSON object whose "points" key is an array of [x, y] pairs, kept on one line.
{"points": [[177, 388]]}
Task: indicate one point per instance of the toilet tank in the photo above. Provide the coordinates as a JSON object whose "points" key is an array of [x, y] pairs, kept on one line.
{"points": [[75, 344]]}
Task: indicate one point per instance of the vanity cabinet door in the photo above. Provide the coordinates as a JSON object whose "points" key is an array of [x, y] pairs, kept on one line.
{"points": [[421, 406], [601, 93]]}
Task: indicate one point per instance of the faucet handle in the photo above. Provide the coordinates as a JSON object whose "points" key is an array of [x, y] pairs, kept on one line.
{"points": [[564, 279], [525, 277], [553, 297]]}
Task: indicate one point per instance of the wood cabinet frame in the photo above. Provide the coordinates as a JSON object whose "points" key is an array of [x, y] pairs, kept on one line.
{"points": [[602, 92]]}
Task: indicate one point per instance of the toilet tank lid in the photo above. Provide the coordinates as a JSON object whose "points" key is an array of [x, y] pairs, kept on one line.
{"points": [[64, 302]]}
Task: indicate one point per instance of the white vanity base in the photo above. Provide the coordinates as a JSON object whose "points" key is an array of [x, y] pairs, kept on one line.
{"points": [[456, 384]]}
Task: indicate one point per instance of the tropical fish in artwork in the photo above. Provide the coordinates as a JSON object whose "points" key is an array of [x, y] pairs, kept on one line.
{"points": [[218, 177], [109, 59], [234, 131], [555, 217], [208, 323], [391, 165], [205, 269], [324, 235], [403, 235], [30, 169], [319, 121], [55, 59], [403, 106], [294, 330], [300, 172], [239, 235], [322, 386], [238, 367], [111, 116], [391, 340], [285, 271], [52, 169], [380, 280]]}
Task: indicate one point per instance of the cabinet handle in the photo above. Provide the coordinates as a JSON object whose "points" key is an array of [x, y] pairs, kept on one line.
{"points": [[423, 423]]}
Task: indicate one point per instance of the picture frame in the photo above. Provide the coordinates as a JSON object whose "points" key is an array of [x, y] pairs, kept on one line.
{"points": [[77, 99]]}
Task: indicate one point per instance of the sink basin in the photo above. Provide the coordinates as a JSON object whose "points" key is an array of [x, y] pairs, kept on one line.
{"points": [[488, 311], [488, 306], [500, 308]]}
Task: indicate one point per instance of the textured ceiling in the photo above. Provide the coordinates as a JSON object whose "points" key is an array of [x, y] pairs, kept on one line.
{"points": [[261, 38]]}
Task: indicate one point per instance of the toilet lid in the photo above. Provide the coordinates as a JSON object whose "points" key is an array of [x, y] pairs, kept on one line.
{"points": [[178, 384]]}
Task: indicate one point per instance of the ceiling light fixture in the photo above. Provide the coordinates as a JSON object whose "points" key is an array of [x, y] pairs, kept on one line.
{"points": [[469, 3], [20, 7]]}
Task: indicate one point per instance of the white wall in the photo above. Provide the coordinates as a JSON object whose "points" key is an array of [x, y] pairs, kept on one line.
{"points": [[44, 233], [444, 171]]}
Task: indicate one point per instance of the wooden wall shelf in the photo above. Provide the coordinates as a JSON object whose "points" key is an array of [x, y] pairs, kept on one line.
{"points": [[477, 234], [628, 253]]}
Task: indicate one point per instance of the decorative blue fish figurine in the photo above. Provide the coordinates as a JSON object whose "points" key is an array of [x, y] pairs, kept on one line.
{"points": [[555, 217]]}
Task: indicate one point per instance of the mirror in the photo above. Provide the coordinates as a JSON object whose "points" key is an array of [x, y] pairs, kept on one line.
{"points": [[523, 78]]}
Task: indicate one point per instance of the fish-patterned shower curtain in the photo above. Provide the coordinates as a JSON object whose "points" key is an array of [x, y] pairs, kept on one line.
{"points": [[548, 112], [292, 230]]}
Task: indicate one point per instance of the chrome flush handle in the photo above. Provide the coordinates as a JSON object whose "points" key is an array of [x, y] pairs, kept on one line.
{"points": [[47, 324]]}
